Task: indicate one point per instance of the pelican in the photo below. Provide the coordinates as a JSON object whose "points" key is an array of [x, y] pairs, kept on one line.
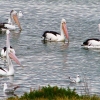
{"points": [[9, 90], [12, 22], [91, 43], [76, 80], [3, 51], [10, 71], [54, 36]]}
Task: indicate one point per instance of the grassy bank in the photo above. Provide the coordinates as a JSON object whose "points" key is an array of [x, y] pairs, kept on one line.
{"points": [[53, 93]]}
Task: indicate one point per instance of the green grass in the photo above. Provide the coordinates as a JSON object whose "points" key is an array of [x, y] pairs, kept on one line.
{"points": [[54, 93]]}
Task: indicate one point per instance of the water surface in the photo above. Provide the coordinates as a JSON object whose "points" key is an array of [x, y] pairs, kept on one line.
{"points": [[52, 63]]}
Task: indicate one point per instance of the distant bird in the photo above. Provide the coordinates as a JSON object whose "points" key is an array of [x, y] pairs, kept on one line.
{"points": [[20, 14], [9, 55], [12, 22], [9, 90], [55, 36], [75, 80]]}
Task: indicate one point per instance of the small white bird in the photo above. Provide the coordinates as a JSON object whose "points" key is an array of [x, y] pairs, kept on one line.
{"points": [[76, 80], [9, 90], [20, 14]]}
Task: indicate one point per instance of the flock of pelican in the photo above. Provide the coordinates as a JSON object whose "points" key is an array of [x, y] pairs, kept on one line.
{"points": [[63, 35], [52, 36], [8, 52]]}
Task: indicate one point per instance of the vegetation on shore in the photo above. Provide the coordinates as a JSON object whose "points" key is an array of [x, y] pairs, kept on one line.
{"points": [[54, 93]]}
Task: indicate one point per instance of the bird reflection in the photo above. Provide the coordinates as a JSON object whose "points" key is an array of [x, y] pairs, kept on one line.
{"points": [[11, 78], [63, 44], [44, 42], [9, 87], [9, 90], [16, 34], [2, 32]]}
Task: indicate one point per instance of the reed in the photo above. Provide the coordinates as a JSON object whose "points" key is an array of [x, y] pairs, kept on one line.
{"points": [[54, 93]]}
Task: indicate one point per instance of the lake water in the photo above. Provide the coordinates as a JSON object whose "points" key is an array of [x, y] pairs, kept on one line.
{"points": [[53, 62]]}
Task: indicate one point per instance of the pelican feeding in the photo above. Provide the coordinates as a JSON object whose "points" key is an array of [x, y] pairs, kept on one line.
{"points": [[91, 43]]}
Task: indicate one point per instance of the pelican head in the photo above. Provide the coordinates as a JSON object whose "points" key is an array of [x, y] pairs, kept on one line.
{"points": [[14, 18], [78, 76], [63, 20], [64, 28]]}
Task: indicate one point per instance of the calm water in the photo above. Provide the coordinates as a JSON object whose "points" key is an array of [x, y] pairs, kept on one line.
{"points": [[52, 63]]}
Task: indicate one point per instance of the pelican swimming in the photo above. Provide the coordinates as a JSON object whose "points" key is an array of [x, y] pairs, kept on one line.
{"points": [[10, 70], [3, 51], [91, 43], [12, 22], [54, 36]]}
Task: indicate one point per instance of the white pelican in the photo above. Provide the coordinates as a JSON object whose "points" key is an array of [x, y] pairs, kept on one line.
{"points": [[54, 36], [3, 51], [91, 43], [12, 22], [9, 90], [76, 80], [10, 71]]}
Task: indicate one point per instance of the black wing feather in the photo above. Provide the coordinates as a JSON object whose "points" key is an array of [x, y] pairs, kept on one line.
{"points": [[52, 32], [86, 41]]}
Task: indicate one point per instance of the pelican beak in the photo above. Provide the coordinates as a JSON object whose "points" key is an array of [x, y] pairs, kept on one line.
{"points": [[15, 17], [64, 27], [14, 57]]}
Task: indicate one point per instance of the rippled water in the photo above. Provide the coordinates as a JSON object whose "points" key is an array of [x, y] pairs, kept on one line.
{"points": [[52, 63]]}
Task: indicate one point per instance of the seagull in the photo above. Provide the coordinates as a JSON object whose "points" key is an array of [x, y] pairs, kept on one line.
{"points": [[9, 90], [76, 80], [20, 14]]}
